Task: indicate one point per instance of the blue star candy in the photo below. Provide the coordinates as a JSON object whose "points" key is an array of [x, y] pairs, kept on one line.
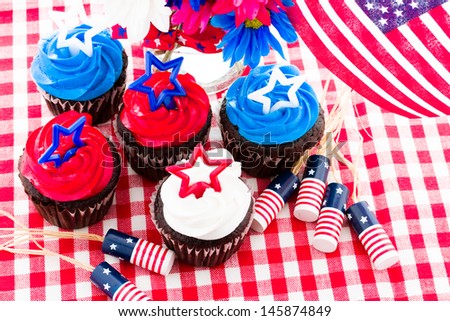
{"points": [[122, 32], [166, 95], [75, 129]]}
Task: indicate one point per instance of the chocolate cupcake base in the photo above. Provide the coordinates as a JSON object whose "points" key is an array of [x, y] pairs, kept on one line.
{"points": [[267, 160], [102, 108], [198, 252], [79, 213], [150, 162]]}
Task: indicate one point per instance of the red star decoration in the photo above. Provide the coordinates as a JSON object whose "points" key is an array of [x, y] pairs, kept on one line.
{"points": [[198, 188]]}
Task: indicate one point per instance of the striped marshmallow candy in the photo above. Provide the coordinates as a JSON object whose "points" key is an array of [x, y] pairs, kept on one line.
{"points": [[312, 188], [273, 198], [115, 285], [140, 252], [373, 237], [331, 218]]}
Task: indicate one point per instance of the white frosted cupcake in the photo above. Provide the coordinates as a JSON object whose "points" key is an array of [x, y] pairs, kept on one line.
{"points": [[204, 218]]}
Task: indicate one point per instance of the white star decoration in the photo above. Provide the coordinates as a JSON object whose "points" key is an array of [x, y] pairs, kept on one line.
{"points": [[349, 216], [326, 165], [311, 172], [106, 271], [113, 247], [369, 6], [339, 190], [363, 219], [398, 13], [157, 42], [278, 76], [181, 39], [414, 5], [129, 240], [277, 186], [383, 21], [399, 2], [384, 9], [70, 19], [106, 286], [294, 186]]}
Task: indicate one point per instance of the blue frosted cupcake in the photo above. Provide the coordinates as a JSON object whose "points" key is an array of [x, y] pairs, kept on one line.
{"points": [[269, 118], [76, 81]]}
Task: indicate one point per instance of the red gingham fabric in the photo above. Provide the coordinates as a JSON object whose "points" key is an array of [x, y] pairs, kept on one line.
{"points": [[404, 175]]}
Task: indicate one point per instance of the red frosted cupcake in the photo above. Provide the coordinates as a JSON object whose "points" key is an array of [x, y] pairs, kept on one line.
{"points": [[164, 116], [70, 171]]}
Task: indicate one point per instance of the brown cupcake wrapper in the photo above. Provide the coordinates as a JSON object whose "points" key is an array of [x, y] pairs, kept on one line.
{"points": [[102, 108], [79, 213], [73, 218], [267, 160], [193, 251], [151, 162]]}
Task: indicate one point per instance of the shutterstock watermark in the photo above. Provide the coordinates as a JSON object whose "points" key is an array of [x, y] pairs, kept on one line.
{"points": [[248, 153]]}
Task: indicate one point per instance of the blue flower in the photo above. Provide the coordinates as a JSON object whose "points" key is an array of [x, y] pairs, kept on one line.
{"points": [[252, 40], [195, 4]]}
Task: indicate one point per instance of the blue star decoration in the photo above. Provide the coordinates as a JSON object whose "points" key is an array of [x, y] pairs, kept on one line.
{"points": [[76, 128], [166, 95], [122, 32]]}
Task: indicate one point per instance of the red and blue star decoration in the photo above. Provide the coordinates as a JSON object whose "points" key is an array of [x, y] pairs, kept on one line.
{"points": [[76, 128], [166, 96]]}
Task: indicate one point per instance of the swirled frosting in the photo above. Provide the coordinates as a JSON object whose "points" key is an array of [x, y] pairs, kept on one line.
{"points": [[278, 126], [163, 127], [85, 174], [77, 77], [215, 214]]}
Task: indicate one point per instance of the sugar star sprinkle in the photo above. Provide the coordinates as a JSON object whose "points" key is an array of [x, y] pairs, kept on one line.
{"points": [[278, 76], [166, 95], [198, 188], [76, 128]]}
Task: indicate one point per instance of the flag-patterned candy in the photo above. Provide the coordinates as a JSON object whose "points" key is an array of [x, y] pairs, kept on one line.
{"points": [[331, 218], [272, 199], [115, 285], [372, 236], [139, 252], [312, 188]]}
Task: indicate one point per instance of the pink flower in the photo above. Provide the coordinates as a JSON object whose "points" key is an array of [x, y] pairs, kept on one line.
{"points": [[249, 9], [193, 20]]}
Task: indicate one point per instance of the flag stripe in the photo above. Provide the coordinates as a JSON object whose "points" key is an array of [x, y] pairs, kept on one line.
{"points": [[388, 49], [326, 50], [370, 57], [398, 85], [428, 62], [431, 35], [440, 15]]}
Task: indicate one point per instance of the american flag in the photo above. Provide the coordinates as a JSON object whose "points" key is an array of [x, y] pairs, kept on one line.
{"points": [[331, 218], [395, 53], [138, 251], [273, 198], [373, 237], [312, 188], [115, 285]]}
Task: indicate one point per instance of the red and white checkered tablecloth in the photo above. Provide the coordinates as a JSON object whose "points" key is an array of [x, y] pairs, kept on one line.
{"points": [[404, 174]]}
